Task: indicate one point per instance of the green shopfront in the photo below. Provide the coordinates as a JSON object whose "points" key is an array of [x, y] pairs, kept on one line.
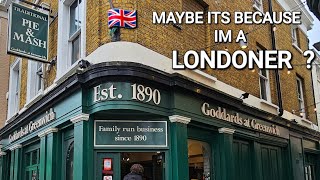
{"points": [[103, 119]]}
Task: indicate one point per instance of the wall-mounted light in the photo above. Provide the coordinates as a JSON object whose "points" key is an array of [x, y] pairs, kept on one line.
{"points": [[243, 44], [274, 28], [244, 95]]}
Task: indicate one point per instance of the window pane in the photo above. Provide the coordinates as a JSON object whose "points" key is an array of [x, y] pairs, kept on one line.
{"points": [[27, 159], [69, 162], [39, 77], [34, 157], [74, 18], [263, 88], [27, 175], [75, 49], [199, 154], [264, 73]]}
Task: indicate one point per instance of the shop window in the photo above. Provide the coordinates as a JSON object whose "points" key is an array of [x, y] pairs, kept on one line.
{"points": [[310, 166], [301, 97], [31, 164], [69, 161], [14, 88], [68, 155], [199, 156], [71, 39], [35, 80]]}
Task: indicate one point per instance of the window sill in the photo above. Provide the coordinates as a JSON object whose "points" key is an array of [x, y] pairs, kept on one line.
{"points": [[267, 103], [34, 99], [297, 48], [306, 121], [206, 75], [69, 72]]}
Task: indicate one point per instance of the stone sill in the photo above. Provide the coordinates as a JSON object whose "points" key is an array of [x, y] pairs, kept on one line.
{"points": [[297, 48]]}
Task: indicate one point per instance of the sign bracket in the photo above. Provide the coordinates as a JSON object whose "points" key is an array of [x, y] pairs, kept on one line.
{"points": [[35, 5]]}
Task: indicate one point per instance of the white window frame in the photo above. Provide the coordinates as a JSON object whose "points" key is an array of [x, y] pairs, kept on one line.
{"points": [[64, 54], [32, 80], [267, 85], [318, 72], [257, 3], [294, 35], [300, 97], [14, 92]]}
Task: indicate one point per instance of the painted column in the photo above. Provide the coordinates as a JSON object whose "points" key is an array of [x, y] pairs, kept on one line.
{"points": [[15, 162], [81, 146], [42, 163], [48, 152], [225, 155], [3, 165], [179, 146]]}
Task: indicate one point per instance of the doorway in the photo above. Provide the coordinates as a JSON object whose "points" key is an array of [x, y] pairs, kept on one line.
{"points": [[114, 166]]}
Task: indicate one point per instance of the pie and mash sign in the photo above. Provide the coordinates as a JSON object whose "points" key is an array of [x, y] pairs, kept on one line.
{"points": [[28, 32]]}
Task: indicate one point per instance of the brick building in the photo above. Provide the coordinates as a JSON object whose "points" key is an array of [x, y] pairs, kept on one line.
{"points": [[79, 120], [4, 64]]}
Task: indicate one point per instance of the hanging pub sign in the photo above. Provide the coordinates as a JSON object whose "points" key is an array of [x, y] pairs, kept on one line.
{"points": [[28, 33]]}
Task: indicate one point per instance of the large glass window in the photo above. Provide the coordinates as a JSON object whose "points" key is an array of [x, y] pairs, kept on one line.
{"points": [[69, 161], [31, 161], [199, 156], [310, 166]]}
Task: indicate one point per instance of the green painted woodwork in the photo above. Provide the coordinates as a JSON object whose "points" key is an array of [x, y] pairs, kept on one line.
{"points": [[242, 160], [17, 164], [67, 140], [179, 151], [115, 164], [11, 164], [272, 163], [296, 158], [2, 166], [81, 138], [224, 157], [42, 168], [51, 156]]}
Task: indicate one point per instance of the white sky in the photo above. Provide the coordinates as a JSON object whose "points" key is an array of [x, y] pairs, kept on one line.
{"points": [[314, 34]]}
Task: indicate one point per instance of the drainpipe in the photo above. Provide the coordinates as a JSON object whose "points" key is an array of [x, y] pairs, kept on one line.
{"points": [[115, 31], [273, 38]]}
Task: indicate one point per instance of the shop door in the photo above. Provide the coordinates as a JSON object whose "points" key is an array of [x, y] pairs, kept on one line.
{"points": [[271, 161], [242, 160], [108, 166]]}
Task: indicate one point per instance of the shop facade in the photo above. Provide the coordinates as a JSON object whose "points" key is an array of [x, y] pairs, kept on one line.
{"points": [[104, 118]]}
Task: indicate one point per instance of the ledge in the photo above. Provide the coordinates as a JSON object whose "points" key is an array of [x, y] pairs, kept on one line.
{"points": [[226, 131], [297, 48], [179, 119], [267, 103], [79, 118]]}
